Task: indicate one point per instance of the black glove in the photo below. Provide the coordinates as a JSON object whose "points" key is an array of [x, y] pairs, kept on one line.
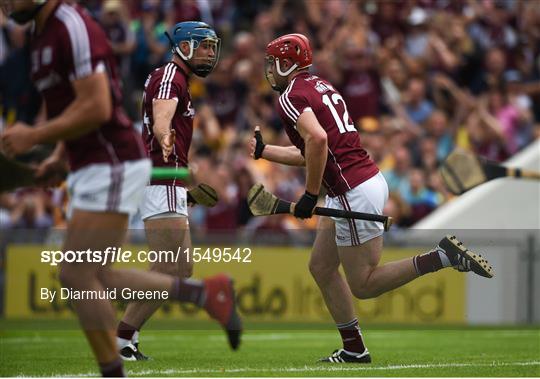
{"points": [[306, 204], [259, 147]]}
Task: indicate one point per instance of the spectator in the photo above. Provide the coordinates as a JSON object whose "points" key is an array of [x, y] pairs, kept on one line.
{"points": [[30, 212], [439, 129], [418, 107], [114, 20], [116, 25], [421, 199], [150, 41], [360, 84], [397, 177]]}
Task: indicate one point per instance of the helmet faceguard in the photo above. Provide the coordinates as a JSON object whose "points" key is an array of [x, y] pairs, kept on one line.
{"points": [[197, 35], [292, 47]]}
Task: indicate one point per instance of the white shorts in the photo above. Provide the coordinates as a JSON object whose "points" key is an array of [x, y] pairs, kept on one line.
{"points": [[367, 197], [164, 199], [102, 187]]}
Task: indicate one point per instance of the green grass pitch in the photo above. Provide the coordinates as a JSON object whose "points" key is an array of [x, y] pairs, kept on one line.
{"points": [[59, 349]]}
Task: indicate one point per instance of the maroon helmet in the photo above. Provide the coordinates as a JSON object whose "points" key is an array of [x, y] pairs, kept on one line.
{"points": [[292, 47]]}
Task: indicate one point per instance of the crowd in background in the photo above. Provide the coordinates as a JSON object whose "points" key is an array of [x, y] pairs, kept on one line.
{"points": [[419, 78]]}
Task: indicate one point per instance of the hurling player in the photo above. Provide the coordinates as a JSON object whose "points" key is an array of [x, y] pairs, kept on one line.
{"points": [[167, 131], [73, 68], [327, 143]]}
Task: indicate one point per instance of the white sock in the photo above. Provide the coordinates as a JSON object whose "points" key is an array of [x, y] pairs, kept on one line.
{"points": [[444, 258], [122, 342], [135, 338]]}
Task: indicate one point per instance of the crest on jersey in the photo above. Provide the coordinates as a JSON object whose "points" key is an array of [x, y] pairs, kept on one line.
{"points": [[322, 87], [190, 111]]}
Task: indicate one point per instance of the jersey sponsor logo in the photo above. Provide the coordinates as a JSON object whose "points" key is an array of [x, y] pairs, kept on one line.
{"points": [[47, 82], [190, 111], [322, 87]]}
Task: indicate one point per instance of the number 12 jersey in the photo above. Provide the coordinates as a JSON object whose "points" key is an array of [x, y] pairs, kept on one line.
{"points": [[348, 164]]}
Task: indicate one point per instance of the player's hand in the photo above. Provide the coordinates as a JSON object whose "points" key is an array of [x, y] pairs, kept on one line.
{"points": [[51, 172], [304, 207], [167, 144], [18, 139], [256, 144]]}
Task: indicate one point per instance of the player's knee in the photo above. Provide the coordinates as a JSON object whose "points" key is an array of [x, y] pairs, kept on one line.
{"points": [[364, 289], [363, 293]]}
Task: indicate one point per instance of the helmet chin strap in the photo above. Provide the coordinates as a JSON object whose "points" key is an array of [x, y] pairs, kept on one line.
{"points": [[22, 17], [202, 70]]}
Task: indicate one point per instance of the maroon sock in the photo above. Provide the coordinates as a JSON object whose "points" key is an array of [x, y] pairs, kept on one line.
{"points": [[125, 331], [114, 369], [428, 262], [188, 291], [351, 336]]}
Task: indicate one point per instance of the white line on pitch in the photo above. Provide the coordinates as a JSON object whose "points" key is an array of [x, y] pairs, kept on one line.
{"points": [[337, 368]]}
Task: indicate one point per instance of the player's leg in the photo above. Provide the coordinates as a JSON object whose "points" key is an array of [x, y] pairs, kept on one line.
{"points": [[96, 231], [164, 209], [163, 234], [324, 265], [359, 245], [365, 277], [368, 279], [102, 196]]}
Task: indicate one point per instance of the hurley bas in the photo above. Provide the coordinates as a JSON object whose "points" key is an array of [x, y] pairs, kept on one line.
{"points": [[109, 294]]}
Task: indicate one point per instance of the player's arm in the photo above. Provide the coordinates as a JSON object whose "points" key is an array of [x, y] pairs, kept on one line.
{"points": [[91, 107], [163, 111], [288, 155], [316, 150]]}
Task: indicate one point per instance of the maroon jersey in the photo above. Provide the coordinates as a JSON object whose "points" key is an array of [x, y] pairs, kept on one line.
{"points": [[72, 46], [164, 83], [348, 164]]}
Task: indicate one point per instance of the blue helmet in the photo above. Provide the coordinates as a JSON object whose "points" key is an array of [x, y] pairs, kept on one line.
{"points": [[196, 33]]}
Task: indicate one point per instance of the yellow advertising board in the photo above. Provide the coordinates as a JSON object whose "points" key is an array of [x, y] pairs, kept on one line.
{"points": [[274, 286]]}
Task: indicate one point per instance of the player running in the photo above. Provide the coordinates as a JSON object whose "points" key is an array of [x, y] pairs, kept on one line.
{"points": [[328, 145], [167, 131], [72, 67]]}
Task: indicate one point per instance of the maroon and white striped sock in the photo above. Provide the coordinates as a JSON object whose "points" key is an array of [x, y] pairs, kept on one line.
{"points": [[351, 336], [431, 261]]}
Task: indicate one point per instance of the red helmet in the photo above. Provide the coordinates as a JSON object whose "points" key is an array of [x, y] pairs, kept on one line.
{"points": [[292, 46]]}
